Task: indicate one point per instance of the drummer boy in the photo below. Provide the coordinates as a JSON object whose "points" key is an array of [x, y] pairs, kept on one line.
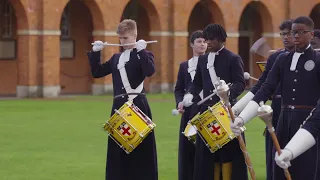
{"points": [[224, 64], [129, 69]]}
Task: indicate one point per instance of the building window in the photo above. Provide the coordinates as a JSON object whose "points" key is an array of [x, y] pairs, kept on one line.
{"points": [[7, 20], [65, 23]]}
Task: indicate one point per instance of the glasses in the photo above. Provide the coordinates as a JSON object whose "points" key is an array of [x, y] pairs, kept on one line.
{"points": [[300, 33], [284, 34]]}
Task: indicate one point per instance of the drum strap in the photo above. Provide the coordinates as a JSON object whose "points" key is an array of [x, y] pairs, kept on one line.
{"points": [[210, 66], [124, 58], [192, 67]]}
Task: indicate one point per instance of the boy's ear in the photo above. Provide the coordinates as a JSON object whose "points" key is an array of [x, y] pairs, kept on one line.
{"points": [[191, 45]]}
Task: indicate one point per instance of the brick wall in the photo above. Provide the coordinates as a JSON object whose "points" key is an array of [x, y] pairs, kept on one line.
{"points": [[39, 71]]}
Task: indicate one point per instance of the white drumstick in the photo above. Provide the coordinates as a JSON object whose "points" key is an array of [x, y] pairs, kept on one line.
{"points": [[208, 97], [175, 112], [107, 44], [247, 76]]}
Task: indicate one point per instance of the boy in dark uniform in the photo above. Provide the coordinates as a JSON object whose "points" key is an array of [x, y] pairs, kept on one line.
{"points": [[303, 140], [285, 28], [227, 162], [298, 74], [128, 69], [186, 75]]}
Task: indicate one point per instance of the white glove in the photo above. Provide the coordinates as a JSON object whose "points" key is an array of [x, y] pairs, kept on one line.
{"points": [[187, 100], [235, 111], [97, 46], [284, 159], [141, 44], [265, 113], [222, 90], [235, 126]]}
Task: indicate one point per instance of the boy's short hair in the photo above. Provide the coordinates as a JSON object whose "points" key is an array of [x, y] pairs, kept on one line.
{"points": [[305, 20], [287, 24], [127, 25], [215, 31], [195, 35]]}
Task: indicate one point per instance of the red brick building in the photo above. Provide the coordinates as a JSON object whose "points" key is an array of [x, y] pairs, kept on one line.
{"points": [[43, 43]]}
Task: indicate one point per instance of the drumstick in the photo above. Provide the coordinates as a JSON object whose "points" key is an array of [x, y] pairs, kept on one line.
{"points": [[208, 97], [247, 76], [175, 112], [225, 97], [243, 147], [274, 138], [107, 44]]}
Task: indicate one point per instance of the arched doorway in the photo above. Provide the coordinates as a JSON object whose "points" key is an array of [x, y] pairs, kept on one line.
{"points": [[76, 36], [8, 49], [144, 13], [253, 23], [315, 15], [203, 13]]}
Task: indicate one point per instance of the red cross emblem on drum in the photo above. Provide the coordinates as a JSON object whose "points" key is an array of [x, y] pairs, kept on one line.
{"points": [[125, 129], [214, 128]]}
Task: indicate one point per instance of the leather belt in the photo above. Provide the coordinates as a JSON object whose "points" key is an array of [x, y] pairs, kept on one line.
{"points": [[296, 107]]}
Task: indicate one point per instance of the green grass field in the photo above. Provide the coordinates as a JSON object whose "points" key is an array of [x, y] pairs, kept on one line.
{"points": [[63, 139]]}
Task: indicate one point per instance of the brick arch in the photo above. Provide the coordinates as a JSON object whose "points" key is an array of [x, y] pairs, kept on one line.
{"points": [[21, 13], [302, 8], [82, 25], [255, 20], [148, 20], [95, 11], [202, 14], [213, 10], [151, 11], [15, 72], [315, 15], [263, 11]]}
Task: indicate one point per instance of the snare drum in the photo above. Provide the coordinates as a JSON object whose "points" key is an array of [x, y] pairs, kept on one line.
{"points": [[213, 126], [190, 132], [128, 126]]}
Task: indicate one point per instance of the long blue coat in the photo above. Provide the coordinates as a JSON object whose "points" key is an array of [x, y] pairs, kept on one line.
{"points": [[276, 107], [299, 93], [141, 164], [186, 152], [229, 67]]}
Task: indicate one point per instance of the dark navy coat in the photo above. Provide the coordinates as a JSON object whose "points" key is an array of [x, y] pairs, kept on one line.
{"points": [[276, 106], [186, 148], [229, 67], [300, 92], [142, 162]]}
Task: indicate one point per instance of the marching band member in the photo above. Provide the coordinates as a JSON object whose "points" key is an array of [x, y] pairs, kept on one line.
{"points": [[298, 74], [128, 69], [287, 40], [186, 74], [303, 140], [222, 63]]}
